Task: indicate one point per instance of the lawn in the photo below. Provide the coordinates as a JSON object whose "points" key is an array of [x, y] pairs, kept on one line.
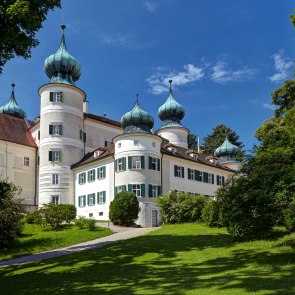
{"points": [[176, 259], [34, 240]]}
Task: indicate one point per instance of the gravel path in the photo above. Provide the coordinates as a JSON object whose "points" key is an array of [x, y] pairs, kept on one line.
{"points": [[120, 234]]}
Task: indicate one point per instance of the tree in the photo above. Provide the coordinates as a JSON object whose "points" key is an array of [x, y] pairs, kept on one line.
{"points": [[19, 22], [192, 141], [124, 209], [216, 138], [11, 213]]}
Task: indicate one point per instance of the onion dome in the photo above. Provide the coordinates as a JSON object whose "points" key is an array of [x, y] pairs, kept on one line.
{"points": [[61, 67], [226, 149], [11, 107], [137, 120], [171, 112]]}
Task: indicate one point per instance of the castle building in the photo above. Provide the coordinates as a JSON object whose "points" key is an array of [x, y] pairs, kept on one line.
{"points": [[71, 156]]}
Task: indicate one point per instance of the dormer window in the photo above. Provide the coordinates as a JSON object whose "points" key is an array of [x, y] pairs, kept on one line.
{"points": [[96, 154], [56, 96], [194, 156], [172, 149]]}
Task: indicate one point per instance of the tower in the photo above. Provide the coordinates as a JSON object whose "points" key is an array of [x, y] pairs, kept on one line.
{"points": [[61, 123], [171, 113]]}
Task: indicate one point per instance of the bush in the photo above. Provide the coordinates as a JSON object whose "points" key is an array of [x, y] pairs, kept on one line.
{"points": [[34, 218], [181, 207], [212, 215], [11, 213], [124, 209], [56, 215], [83, 222], [289, 217]]}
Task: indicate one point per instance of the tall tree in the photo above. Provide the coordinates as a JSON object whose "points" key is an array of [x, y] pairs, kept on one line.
{"points": [[216, 138], [19, 22], [192, 141]]}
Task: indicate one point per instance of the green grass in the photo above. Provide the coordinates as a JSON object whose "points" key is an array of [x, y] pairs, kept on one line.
{"points": [[177, 259], [35, 240]]}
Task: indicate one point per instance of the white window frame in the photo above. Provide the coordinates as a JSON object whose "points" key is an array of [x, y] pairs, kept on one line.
{"points": [[120, 164], [154, 164], [56, 129], [92, 175], [100, 173], [56, 156], [192, 174], [57, 97], [136, 162], [82, 201], [179, 171], [136, 189], [210, 176], [55, 199], [91, 199], [201, 176], [82, 178], [100, 198], [154, 191], [55, 179], [119, 145], [119, 188], [26, 161]]}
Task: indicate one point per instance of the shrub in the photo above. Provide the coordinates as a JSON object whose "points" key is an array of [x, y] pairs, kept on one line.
{"points": [[83, 222], [34, 218], [289, 217], [11, 213], [69, 212], [212, 215], [124, 209], [181, 207]]}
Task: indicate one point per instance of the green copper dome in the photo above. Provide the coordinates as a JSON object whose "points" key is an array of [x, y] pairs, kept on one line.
{"points": [[226, 149], [61, 67], [137, 120], [171, 112], [11, 107]]}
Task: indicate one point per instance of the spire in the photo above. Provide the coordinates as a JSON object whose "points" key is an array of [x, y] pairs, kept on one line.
{"points": [[61, 67], [11, 107], [171, 112], [226, 151]]}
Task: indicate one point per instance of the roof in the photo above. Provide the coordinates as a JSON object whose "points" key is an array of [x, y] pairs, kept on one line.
{"points": [[102, 119], [16, 130]]}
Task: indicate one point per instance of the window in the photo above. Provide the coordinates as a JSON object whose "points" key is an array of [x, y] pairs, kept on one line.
{"points": [[101, 172], [178, 171], [138, 189], [220, 180], [107, 143], [82, 136], [190, 174], [82, 178], [100, 213], [154, 191], [153, 144], [91, 199], [119, 144], [56, 96], [82, 201], [201, 177], [121, 188], [55, 179], [91, 175], [136, 162], [90, 215], [154, 163], [136, 142], [26, 161], [55, 156], [211, 178], [120, 164], [101, 197], [55, 129], [55, 199]]}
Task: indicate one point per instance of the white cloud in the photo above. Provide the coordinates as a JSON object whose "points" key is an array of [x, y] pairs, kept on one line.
{"points": [[121, 40], [158, 82], [150, 6], [223, 74], [267, 106], [282, 66]]}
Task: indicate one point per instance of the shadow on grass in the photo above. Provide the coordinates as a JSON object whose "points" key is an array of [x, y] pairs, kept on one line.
{"points": [[156, 264]]}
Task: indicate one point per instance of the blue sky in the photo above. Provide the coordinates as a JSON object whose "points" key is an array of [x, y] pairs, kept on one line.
{"points": [[224, 57]]}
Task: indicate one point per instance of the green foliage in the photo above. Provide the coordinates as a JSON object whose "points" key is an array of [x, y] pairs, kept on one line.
{"points": [[217, 137], [83, 222], [181, 207], [19, 22], [289, 216], [56, 215], [212, 214], [34, 218], [192, 141], [11, 213], [124, 209]]}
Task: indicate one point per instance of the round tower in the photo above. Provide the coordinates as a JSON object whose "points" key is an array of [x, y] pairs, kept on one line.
{"points": [[61, 120], [138, 162], [171, 113]]}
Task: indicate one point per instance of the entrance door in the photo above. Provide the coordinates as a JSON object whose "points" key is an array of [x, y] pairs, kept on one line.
{"points": [[154, 218]]}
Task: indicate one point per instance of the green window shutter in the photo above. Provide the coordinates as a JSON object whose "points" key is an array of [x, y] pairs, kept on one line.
{"points": [[159, 190], [88, 197], [115, 190], [104, 196], [124, 188], [84, 200], [61, 97], [143, 190], [124, 164], [212, 177], [88, 176], [116, 164], [79, 201], [217, 180], [50, 129], [222, 180], [150, 162], [182, 172], [150, 190], [205, 177], [189, 173], [129, 162], [51, 96], [142, 162], [175, 170], [84, 173], [197, 174], [158, 166], [129, 187], [93, 174], [104, 171]]}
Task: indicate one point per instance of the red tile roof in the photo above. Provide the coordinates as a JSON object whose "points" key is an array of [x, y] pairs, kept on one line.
{"points": [[15, 130]]}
